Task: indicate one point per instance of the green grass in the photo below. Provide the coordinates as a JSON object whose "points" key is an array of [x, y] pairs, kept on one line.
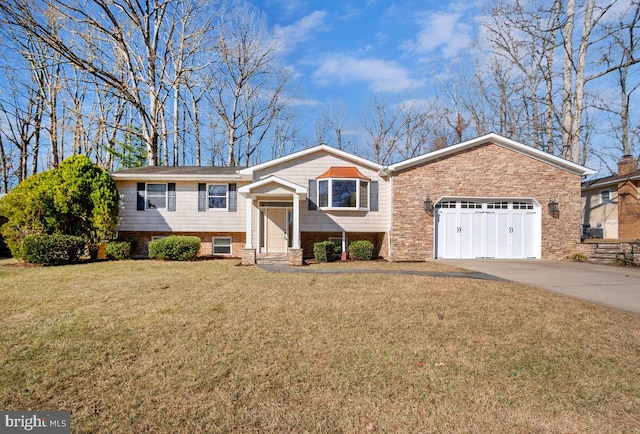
{"points": [[207, 346]]}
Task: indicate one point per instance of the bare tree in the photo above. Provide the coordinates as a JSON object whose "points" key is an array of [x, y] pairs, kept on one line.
{"points": [[384, 126], [249, 83], [331, 124], [102, 35]]}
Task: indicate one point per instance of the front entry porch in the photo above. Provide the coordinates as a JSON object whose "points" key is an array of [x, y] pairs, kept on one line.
{"points": [[273, 220]]}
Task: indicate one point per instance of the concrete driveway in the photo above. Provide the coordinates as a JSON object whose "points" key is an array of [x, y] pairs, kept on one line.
{"points": [[616, 287]]}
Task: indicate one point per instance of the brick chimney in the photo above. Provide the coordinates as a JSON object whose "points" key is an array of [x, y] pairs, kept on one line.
{"points": [[627, 165], [628, 200]]}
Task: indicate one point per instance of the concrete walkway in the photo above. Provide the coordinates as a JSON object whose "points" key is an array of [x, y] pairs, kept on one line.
{"points": [[611, 286], [282, 268]]}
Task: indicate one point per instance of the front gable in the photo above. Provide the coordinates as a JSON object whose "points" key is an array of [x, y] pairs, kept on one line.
{"points": [[491, 139], [273, 186]]}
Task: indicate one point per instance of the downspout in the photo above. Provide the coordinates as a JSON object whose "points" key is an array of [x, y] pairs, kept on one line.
{"points": [[384, 172]]}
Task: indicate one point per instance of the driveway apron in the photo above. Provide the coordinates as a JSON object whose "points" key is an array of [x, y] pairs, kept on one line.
{"points": [[616, 287]]}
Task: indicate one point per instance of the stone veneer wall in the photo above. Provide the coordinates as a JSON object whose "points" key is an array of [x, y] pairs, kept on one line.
{"points": [[142, 240], [484, 171]]}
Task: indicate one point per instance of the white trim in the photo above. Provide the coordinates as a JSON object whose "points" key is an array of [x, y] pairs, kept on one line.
{"points": [[344, 208], [213, 245], [297, 189], [249, 224], [497, 140], [610, 196], [208, 196], [146, 195], [320, 148], [167, 177]]}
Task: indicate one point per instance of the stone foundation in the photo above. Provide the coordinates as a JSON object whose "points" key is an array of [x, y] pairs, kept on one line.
{"points": [[248, 256], [295, 256]]}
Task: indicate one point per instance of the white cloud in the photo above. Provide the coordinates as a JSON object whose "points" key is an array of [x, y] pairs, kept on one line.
{"points": [[301, 30], [441, 31], [382, 75]]}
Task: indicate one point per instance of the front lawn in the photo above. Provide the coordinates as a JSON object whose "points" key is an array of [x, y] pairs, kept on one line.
{"points": [[208, 346]]}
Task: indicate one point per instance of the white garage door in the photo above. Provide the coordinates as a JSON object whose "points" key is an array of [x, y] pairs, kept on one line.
{"points": [[487, 228]]}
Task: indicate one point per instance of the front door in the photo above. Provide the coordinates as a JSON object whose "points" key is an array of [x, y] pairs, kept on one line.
{"points": [[276, 230]]}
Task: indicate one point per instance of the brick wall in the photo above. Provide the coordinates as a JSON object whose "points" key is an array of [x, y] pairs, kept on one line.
{"points": [[308, 239], [629, 210], [142, 240], [483, 171]]}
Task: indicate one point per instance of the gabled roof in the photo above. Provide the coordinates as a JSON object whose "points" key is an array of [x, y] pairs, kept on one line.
{"points": [[298, 189], [610, 180], [320, 148], [178, 173], [342, 172], [497, 140]]}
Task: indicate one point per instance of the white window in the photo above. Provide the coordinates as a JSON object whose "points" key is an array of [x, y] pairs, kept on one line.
{"points": [[522, 205], [343, 193], [221, 245], [446, 204], [217, 195], [156, 196], [497, 205], [605, 196]]}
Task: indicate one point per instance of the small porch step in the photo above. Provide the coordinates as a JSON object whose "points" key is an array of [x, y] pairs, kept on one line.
{"points": [[272, 258]]}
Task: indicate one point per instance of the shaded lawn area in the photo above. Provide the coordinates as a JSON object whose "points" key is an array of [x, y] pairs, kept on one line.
{"points": [[147, 346]]}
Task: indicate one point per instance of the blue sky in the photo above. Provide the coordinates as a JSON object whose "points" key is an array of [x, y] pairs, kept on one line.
{"points": [[349, 50]]}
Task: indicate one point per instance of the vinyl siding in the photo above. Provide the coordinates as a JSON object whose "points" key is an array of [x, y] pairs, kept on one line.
{"points": [[311, 166], [604, 215], [186, 216]]}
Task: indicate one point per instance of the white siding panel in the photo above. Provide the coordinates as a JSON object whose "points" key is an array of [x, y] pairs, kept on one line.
{"points": [[314, 165], [186, 216]]}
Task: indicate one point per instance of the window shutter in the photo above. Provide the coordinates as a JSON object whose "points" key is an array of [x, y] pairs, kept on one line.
{"points": [[141, 189], [313, 195], [171, 196], [373, 200], [202, 196], [233, 197]]}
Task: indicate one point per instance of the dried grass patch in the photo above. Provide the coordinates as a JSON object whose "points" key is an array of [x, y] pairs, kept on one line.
{"points": [[209, 347]]}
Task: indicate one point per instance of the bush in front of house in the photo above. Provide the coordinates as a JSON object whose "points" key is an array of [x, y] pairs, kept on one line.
{"points": [[175, 248], [361, 250], [55, 249], [119, 249], [324, 251]]}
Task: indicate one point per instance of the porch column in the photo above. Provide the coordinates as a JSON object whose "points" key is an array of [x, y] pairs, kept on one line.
{"points": [[296, 222], [249, 223]]}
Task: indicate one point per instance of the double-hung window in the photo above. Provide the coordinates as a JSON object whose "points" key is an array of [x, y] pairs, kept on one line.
{"points": [[217, 194], [156, 197], [605, 196]]}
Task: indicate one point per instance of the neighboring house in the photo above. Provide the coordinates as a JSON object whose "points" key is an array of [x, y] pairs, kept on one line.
{"points": [[611, 205], [487, 197]]}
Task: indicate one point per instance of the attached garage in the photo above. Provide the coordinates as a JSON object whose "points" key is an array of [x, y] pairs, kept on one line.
{"points": [[489, 197], [487, 228]]}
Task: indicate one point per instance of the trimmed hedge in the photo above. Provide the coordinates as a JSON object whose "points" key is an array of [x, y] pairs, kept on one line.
{"points": [[119, 249], [361, 250], [53, 249], [175, 248], [324, 251]]}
